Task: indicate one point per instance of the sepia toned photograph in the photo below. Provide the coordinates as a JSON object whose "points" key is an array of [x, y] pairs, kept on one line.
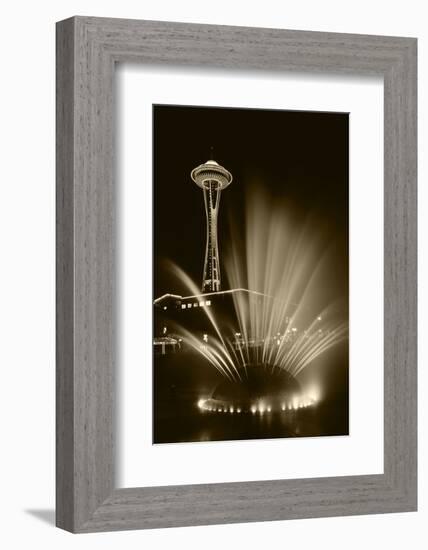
{"points": [[250, 274]]}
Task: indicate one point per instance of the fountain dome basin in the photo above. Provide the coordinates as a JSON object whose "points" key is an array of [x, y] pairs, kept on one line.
{"points": [[263, 389]]}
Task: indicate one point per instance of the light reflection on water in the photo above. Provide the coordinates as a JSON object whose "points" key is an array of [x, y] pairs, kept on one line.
{"points": [[202, 427]]}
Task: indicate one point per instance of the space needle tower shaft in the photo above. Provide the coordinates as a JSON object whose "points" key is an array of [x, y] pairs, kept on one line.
{"points": [[212, 179]]}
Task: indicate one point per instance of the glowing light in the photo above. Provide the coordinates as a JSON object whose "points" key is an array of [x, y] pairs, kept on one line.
{"points": [[205, 338], [269, 408], [283, 407], [313, 393], [231, 409], [238, 410], [201, 403], [253, 409]]}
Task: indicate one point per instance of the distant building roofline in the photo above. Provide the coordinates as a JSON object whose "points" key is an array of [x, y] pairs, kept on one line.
{"points": [[231, 291], [176, 296], [204, 295]]}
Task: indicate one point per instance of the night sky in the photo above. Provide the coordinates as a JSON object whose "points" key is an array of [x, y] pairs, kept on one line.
{"points": [[299, 156]]}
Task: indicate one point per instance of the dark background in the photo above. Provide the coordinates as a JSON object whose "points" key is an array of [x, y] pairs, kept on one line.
{"points": [[302, 156]]}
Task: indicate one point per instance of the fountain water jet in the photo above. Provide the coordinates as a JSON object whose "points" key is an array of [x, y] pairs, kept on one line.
{"points": [[290, 313]]}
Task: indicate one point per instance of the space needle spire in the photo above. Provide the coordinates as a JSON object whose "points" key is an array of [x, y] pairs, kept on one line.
{"points": [[212, 179]]}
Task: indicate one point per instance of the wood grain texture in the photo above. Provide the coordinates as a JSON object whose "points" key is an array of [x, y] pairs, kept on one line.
{"points": [[87, 50], [64, 276]]}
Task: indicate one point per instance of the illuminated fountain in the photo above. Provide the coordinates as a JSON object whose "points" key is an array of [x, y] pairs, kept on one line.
{"points": [[283, 318]]}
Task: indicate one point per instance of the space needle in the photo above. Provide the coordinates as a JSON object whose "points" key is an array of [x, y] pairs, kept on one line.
{"points": [[212, 179]]}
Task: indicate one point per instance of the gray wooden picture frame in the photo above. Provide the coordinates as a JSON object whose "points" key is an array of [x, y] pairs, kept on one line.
{"points": [[87, 51]]}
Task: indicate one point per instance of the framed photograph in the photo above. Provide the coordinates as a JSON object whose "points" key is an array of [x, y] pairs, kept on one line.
{"points": [[236, 274], [248, 300]]}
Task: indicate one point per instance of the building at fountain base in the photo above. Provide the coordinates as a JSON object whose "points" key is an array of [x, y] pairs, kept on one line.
{"points": [[199, 314]]}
